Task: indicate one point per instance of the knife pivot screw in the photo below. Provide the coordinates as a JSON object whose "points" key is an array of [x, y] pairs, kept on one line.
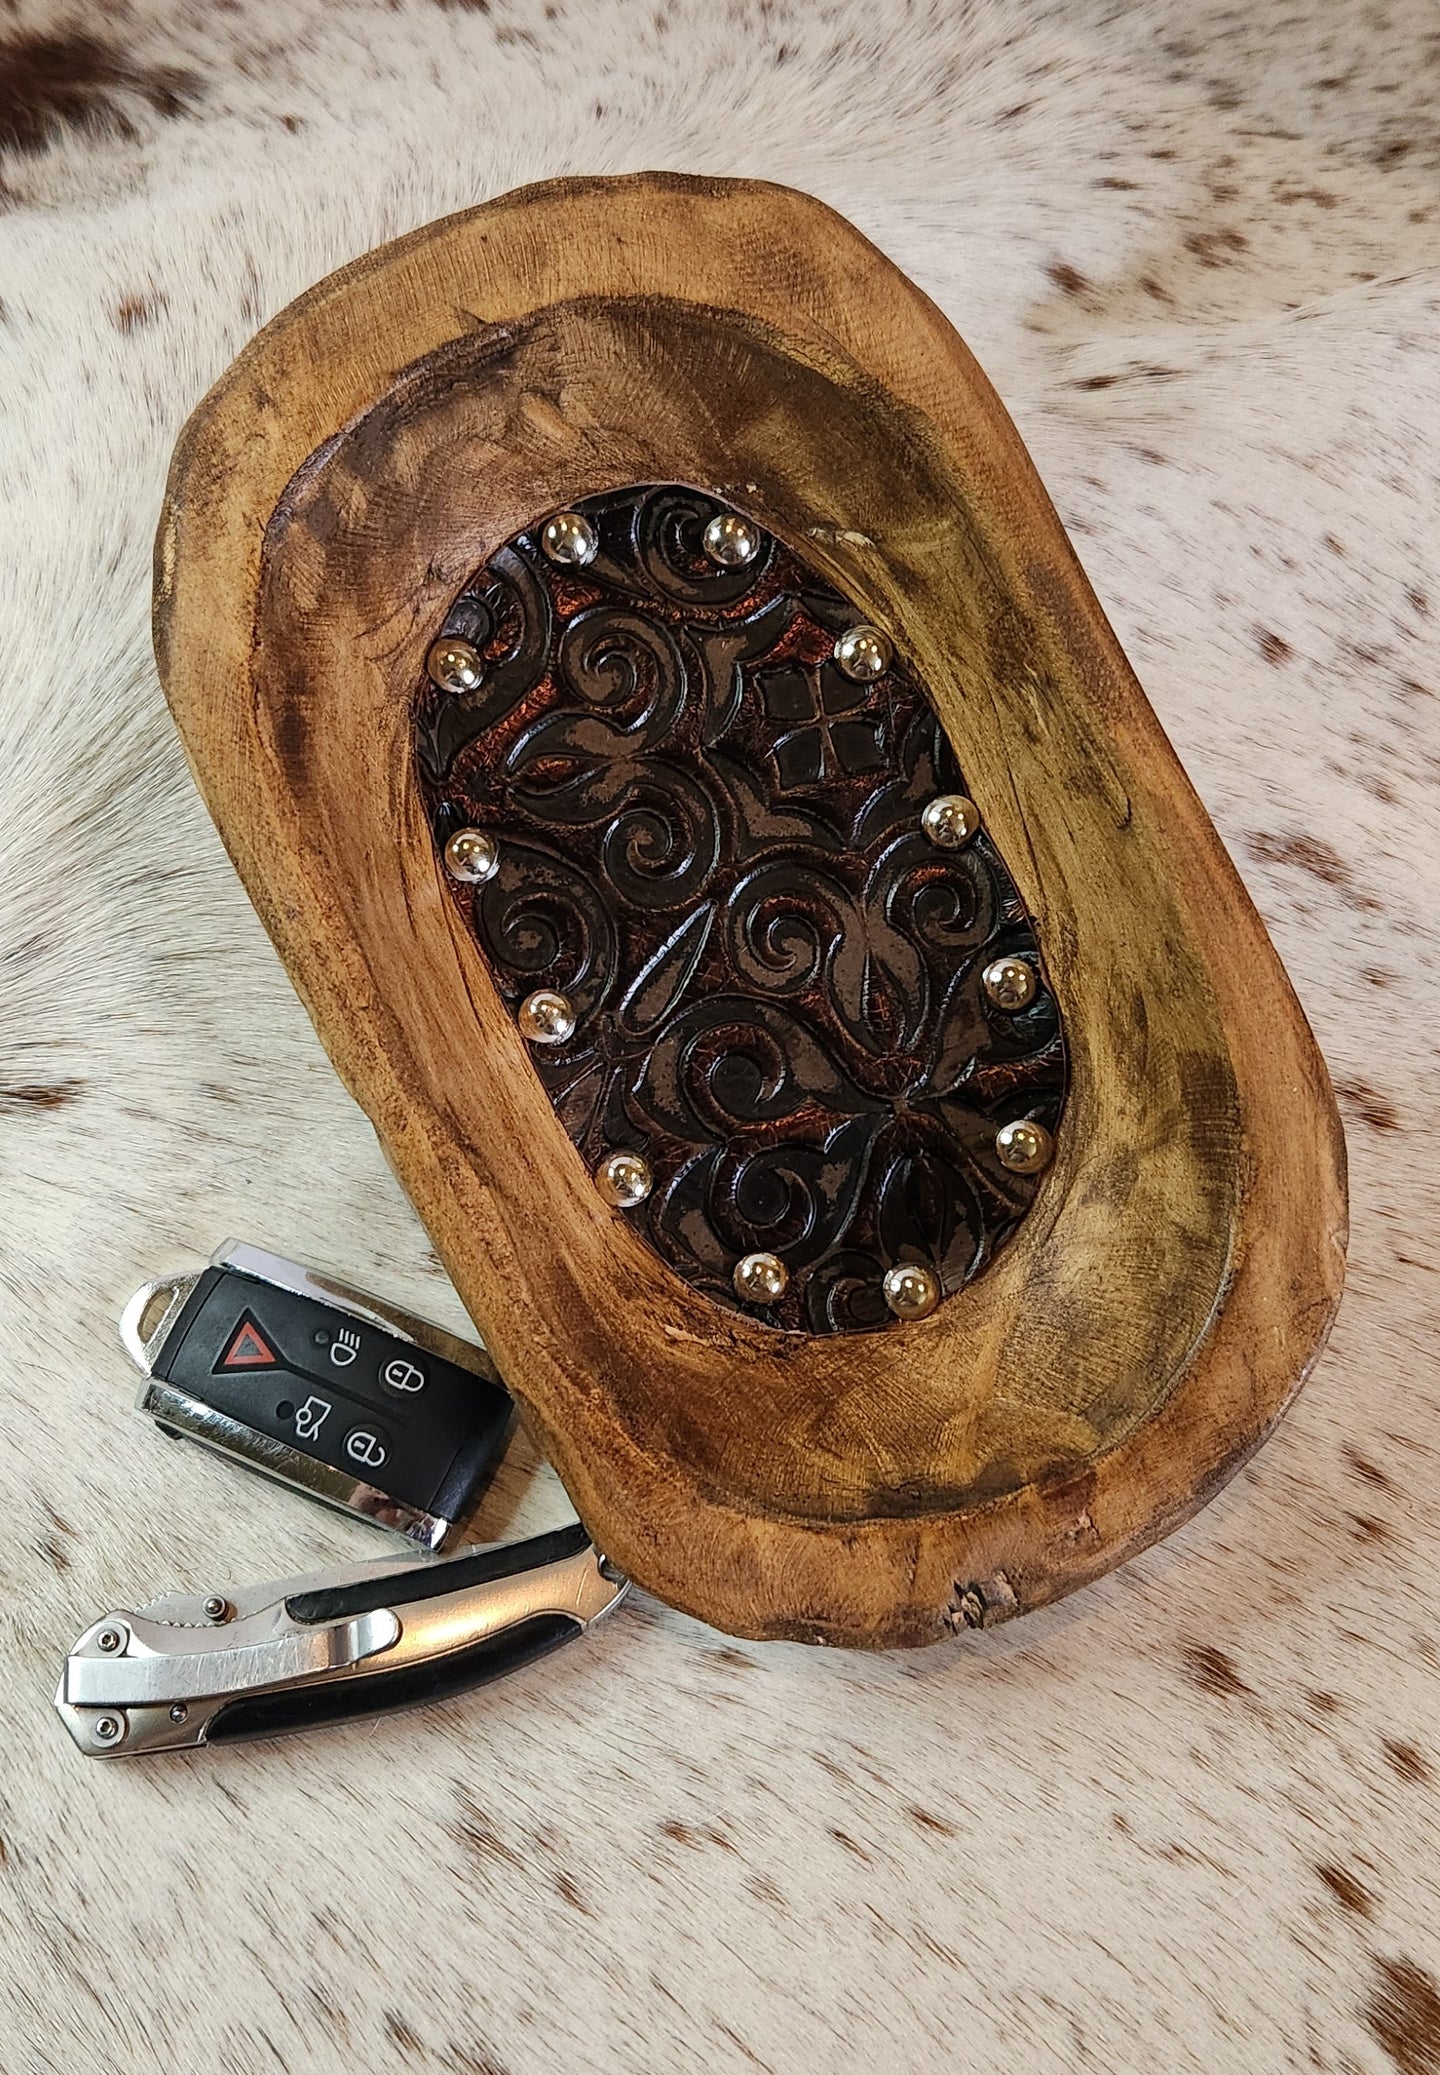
{"points": [[179, 1711], [109, 1640], [109, 1729], [217, 1608]]}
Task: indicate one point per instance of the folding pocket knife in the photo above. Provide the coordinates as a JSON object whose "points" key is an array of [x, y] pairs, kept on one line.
{"points": [[195, 1668]]}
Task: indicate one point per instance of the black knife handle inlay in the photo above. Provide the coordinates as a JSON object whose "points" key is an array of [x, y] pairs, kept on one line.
{"points": [[347, 1699], [429, 1581]]}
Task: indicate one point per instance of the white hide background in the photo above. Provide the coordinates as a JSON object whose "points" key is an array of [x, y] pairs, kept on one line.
{"points": [[1188, 1820]]}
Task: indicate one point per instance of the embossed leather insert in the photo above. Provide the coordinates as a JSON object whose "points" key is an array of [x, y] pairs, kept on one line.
{"points": [[709, 841]]}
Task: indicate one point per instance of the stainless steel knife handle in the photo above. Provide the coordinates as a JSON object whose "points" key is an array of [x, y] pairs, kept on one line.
{"points": [[193, 1669]]}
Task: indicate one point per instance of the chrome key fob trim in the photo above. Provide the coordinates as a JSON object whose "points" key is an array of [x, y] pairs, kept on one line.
{"points": [[449, 1415]]}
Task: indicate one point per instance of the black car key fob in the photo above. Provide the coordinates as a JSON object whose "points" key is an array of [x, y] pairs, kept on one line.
{"points": [[279, 1368]]}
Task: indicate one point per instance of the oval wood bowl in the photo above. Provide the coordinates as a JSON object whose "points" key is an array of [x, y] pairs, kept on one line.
{"points": [[1161, 1288]]}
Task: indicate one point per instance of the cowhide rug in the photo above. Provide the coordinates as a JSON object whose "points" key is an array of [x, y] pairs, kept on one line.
{"points": [[1186, 1821]]}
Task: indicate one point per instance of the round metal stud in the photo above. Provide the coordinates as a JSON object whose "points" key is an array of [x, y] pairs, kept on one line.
{"points": [[864, 653], [761, 1279], [569, 539], [731, 541], [454, 665], [1011, 983], [950, 821], [217, 1608], [911, 1291], [472, 855], [108, 1729], [624, 1180], [1024, 1147], [546, 1018], [179, 1712], [109, 1640]]}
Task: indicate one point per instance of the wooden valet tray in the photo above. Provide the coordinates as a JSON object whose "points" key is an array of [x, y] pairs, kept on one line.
{"points": [[1121, 1329]]}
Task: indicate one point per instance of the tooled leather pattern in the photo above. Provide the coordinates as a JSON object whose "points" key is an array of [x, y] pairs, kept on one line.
{"points": [[710, 842]]}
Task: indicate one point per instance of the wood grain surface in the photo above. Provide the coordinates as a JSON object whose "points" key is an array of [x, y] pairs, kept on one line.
{"points": [[1183, 1259]]}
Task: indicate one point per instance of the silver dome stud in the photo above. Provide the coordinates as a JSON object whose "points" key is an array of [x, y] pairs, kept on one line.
{"points": [[454, 665], [730, 541], [624, 1180], [472, 855], [1010, 983], [864, 654], [950, 821], [569, 540], [546, 1018], [911, 1291], [1024, 1146], [761, 1279]]}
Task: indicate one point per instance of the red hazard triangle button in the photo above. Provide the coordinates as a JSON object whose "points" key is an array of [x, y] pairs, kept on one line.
{"points": [[249, 1349]]}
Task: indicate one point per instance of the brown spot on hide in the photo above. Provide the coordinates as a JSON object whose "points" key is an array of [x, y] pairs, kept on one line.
{"points": [[1365, 1470], [51, 1095], [1069, 280], [400, 2033], [1373, 1108], [133, 311], [1409, 1762], [1311, 855], [1212, 1671], [54, 81], [1404, 2014], [929, 1821], [1347, 1890]]}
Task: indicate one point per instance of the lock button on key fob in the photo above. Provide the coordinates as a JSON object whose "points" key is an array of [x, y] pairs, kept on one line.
{"points": [[277, 1367]]}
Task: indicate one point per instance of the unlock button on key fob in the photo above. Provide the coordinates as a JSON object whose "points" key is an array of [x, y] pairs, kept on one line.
{"points": [[367, 1447], [287, 1372]]}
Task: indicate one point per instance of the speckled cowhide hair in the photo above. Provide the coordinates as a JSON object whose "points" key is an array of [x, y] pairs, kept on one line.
{"points": [[1184, 1819]]}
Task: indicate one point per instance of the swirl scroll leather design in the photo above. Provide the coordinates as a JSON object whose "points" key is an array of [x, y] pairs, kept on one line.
{"points": [[710, 842]]}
